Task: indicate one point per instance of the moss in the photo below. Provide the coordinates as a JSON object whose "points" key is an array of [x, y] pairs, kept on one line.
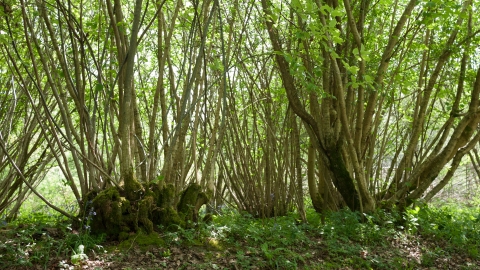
{"points": [[118, 217], [133, 188], [130, 222], [202, 197], [144, 208], [115, 216], [125, 205], [165, 196], [151, 239], [109, 194], [208, 218], [191, 201], [152, 190], [167, 217], [188, 201], [91, 195], [342, 179], [122, 236], [214, 244], [108, 218], [143, 241]]}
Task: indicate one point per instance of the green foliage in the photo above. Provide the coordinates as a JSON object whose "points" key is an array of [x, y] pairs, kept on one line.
{"points": [[353, 240], [346, 239], [28, 242], [363, 228], [458, 226], [181, 236], [280, 242], [90, 242]]}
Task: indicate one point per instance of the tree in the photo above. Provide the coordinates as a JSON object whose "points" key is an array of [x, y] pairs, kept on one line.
{"points": [[348, 94], [151, 110], [88, 80]]}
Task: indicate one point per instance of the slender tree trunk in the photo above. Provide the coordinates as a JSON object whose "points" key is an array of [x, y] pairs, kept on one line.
{"points": [[126, 111]]}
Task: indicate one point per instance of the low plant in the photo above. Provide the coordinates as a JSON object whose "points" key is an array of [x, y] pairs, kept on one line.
{"points": [[36, 238], [460, 226]]}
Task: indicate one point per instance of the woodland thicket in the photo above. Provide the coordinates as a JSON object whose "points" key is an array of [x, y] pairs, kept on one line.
{"points": [[152, 109]]}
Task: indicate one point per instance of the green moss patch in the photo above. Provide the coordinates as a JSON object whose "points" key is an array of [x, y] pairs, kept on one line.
{"points": [[150, 210], [191, 200], [142, 241]]}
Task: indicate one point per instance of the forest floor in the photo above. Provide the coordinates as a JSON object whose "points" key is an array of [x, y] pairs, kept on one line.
{"points": [[424, 239]]}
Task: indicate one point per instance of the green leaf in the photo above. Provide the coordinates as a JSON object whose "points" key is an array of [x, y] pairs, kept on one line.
{"points": [[296, 4], [351, 69], [332, 23], [337, 13], [98, 87], [4, 38], [355, 52], [337, 39], [368, 79]]}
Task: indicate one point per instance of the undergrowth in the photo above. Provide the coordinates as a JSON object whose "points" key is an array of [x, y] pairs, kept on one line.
{"points": [[40, 239], [422, 237]]}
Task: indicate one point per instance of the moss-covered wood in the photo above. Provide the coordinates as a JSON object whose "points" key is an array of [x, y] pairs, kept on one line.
{"points": [[190, 202], [342, 179], [147, 210]]}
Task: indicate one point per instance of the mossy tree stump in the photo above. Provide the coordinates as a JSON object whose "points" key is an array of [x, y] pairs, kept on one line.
{"points": [[149, 209]]}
